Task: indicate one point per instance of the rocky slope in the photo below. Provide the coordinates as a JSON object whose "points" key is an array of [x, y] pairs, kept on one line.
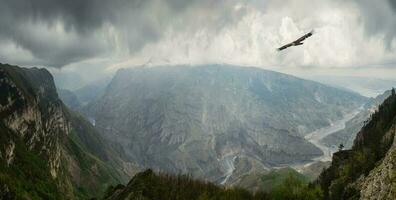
{"points": [[367, 171], [46, 150], [216, 121], [347, 135]]}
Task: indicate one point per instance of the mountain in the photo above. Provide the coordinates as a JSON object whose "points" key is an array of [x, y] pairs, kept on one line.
{"points": [[69, 99], [347, 135], [91, 92], [366, 86], [46, 150], [216, 122], [367, 171]]}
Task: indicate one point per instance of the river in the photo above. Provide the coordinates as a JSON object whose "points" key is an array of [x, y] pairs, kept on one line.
{"points": [[316, 136], [228, 164]]}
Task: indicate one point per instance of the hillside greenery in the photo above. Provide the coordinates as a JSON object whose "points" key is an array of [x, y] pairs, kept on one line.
{"points": [[160, 186], [370, 147], [36, 129]]}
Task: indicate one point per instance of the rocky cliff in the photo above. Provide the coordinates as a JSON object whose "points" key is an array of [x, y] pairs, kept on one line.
{"points": [[367, 171], [47, 151]]}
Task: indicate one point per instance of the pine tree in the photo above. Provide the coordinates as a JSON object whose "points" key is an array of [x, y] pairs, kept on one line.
{"points": [[393, 91]]}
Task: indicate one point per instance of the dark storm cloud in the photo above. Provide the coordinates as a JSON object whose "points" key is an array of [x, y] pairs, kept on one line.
{"points": [[393, 4], [60, 32], [379, 18], [138, 21]]}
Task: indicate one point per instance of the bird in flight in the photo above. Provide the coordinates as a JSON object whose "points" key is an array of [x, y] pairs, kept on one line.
{"points": [[298, 42]]}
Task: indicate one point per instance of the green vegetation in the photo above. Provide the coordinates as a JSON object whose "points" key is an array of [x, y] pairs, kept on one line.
{"points": [[267, 181], [292, 187], [151, 186], [28, 177], [51, 134], [371, 145], [276, 178]]}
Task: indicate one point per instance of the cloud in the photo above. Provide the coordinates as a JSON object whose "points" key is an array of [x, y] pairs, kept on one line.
{"points": [[121, 33], [58, 32], [379, 18]]}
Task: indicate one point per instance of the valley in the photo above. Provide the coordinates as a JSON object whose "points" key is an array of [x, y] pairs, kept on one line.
{"points": [[218, 122], [197, 100], [316, 136], [167, 127]]}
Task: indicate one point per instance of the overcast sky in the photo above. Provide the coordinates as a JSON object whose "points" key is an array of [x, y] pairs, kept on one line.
{"points": [[96, 37]]}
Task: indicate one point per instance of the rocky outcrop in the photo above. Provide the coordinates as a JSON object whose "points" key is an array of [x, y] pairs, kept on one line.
{"points": [[34, 113], [368, 170], [380, 183], [40, 138]]}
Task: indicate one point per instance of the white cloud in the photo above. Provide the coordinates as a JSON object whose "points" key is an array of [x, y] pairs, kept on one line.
{"points": [[211, 31]]}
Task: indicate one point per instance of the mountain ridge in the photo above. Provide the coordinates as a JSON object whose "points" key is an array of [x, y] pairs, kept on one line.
{"points": [[45, 149], [161, 115]]}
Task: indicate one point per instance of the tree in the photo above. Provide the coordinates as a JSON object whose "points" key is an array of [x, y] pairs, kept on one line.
{"points": [[341, 147], [393, 91]]}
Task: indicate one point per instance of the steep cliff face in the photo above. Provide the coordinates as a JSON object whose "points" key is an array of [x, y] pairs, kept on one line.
{"points": [[367, 171], [212, 121], [47, 151], [380, 183]]}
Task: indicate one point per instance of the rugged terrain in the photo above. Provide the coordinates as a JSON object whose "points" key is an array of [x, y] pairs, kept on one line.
{"points": [[216, 122], [367, 171], [46, 150], [347, 135]]}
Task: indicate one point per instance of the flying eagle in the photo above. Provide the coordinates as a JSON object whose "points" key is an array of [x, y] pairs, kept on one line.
{"points": [[297, 42]]}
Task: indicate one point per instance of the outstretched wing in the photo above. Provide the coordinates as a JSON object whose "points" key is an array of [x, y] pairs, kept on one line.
{"points": [[285, 46], [299, 40]]}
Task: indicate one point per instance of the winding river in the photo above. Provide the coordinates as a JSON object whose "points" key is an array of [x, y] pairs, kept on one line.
{"points": [[228, 162], [316, 136]]}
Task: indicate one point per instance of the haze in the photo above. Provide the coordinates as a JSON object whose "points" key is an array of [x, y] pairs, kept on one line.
{"points": [[91, 39]]}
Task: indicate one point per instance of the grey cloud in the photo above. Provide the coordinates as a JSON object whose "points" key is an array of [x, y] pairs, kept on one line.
{"points": [[137, 21], [379, 18], [31, 24]]}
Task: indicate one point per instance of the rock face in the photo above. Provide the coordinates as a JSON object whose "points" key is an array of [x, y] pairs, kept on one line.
{"points": [[47, 151], [381, 181], [208, 120], [367, 171]]}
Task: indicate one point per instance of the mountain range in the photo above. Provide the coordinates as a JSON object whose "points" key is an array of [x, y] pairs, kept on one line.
{"points": [[216, 122], [221, 124]]}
